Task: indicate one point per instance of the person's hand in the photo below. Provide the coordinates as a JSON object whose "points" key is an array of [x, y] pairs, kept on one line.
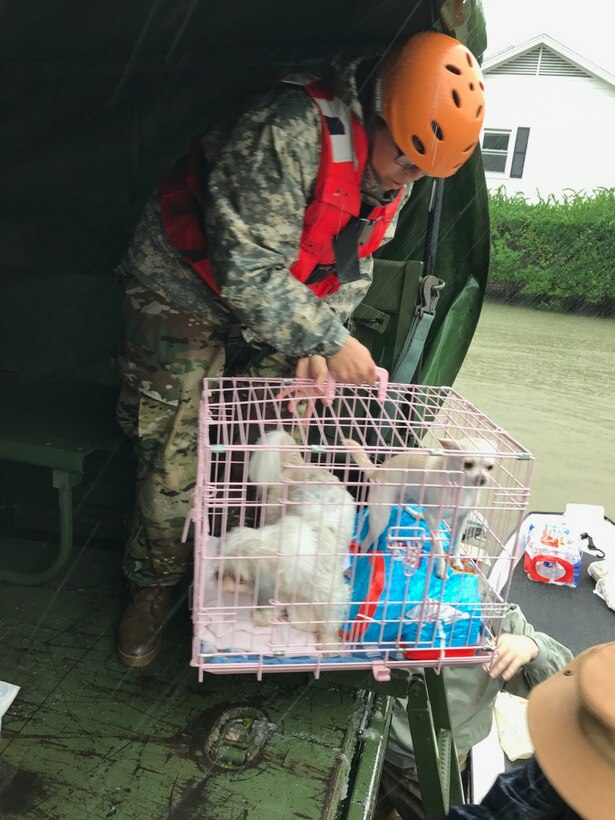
{"points": [[513, 652], [353, 364], [316, 369], [312, 367]]}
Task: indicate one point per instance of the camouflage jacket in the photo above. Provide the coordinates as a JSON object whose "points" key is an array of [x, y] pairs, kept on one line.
{"points": [[262, 168]]}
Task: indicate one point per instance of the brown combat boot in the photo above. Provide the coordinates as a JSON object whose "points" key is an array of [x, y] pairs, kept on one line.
{"points": [[140, 631]]}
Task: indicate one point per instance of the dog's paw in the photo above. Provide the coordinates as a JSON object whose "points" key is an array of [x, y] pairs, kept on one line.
{"points": [[261, 617], [305, 626], [458, 564], [266, 616], [441, 568], [328, 643], [230, 584]]}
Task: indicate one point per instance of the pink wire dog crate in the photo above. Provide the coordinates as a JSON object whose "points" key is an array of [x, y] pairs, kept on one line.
{"points": [[281, 581]]}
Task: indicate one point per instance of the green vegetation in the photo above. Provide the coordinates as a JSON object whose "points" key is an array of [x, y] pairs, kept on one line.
{"points": [[556, 255]]}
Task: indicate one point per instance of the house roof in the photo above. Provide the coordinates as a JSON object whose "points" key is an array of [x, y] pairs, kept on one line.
{"points": [[525, 50]]}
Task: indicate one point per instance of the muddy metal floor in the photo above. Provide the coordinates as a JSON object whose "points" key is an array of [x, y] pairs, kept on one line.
{"points": [[88, 738]]}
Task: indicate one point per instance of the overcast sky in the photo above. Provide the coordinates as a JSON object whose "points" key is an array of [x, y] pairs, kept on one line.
{"points": [[585, 27]]}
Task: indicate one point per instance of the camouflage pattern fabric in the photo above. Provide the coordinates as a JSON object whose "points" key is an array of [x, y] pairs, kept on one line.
{"points": [[164, 357], [263, 163]]}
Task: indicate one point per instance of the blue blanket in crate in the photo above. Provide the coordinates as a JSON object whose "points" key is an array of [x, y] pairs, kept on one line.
{"points": [[397, 595], [396, 591]]}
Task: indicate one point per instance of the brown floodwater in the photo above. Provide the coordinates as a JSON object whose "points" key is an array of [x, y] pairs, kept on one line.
{"points": [[549, 380]]}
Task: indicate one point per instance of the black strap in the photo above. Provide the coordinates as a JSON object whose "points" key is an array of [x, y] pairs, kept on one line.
{"points": [[433, 225], [240, 356], [320, 273], [346, 250]]}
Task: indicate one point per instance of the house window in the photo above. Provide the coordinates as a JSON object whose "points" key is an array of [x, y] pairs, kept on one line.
{"points": [[500, 156], [495, 151]]}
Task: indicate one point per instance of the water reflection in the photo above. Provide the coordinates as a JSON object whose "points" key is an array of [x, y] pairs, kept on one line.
{"points": [[549, 380]]}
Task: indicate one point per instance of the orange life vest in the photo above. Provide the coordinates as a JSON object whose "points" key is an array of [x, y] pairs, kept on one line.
{"points": [[334, 235]]}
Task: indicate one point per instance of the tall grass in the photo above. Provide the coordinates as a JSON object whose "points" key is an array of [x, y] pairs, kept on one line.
{"points": [[559, 255]]}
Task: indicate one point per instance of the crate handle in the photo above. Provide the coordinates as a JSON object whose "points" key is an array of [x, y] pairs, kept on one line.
{"points": [[329, 394], [383, 384]]}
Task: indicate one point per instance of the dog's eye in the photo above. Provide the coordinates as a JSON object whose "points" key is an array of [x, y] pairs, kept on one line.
{"points": [[468, 465], [490, 466]]}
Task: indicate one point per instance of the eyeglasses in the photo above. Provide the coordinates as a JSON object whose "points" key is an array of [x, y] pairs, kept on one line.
{"points": [[403, 162]]}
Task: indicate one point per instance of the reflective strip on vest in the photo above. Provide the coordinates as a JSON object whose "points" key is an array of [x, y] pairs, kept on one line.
{"points": [[335, 112]]}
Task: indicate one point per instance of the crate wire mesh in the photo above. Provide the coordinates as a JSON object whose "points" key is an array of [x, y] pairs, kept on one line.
{"points": [[292, 590]]}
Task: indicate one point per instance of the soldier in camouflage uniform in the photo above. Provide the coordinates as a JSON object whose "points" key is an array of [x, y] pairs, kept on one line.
{"points": [[262, 164]]}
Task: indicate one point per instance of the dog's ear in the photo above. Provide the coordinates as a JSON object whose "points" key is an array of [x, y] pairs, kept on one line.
{"points": [[478, 445], [481, 445], [449, 444]]}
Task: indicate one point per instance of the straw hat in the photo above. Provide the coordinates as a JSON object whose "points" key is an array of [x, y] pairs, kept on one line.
{"points": [[571, 718]]}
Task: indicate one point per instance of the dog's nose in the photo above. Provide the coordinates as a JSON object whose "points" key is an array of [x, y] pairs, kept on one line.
{"points": [[481, 480]]}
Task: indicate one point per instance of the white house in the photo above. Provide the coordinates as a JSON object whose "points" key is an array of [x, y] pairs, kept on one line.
{"points": [[549, 121]]}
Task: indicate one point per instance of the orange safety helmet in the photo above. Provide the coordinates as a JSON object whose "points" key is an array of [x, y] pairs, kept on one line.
{"points": [[433, 101]]}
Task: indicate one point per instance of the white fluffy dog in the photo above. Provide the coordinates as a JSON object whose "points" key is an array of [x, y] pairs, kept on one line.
{"points": [[294, 568], [286, 482], [298, 557]]}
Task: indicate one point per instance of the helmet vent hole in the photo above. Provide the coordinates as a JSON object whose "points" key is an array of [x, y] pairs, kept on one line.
{"points": [[437, 130], [453, 69], [469, 58], [418, 145], [482, 86], [479, 111], [456, 99], [471, 86]]}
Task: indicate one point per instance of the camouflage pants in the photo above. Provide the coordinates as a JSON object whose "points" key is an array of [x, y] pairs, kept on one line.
{"points": [[164, 356]]}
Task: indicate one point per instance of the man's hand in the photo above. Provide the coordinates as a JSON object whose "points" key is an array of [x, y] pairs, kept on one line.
{"points": [[315, 368], [312, 367], [513, 652], [353, 364]]}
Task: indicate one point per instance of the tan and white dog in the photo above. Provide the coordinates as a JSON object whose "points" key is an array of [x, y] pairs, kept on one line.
{"points": [[423, 478]]}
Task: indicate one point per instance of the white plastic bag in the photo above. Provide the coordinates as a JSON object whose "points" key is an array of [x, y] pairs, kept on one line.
{"points": [[511, 721], [7, 695], [603, 573]]}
